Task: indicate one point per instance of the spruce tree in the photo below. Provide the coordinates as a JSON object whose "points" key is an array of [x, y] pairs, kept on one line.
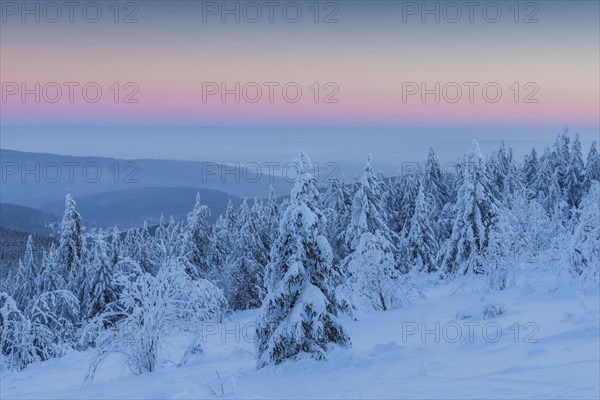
{"points": [[374, 265], [25, 287], [100, 290], [592, 165], [272, 213], [584, 247], [70, 249], [337, 206], [421, 241], [51, 276], [245, 265], [299, 314], [575, 175], [560, 157], [530, 168], [476, 211], [367, 214], [197, 241], [433, 183], [545, 176], [434, 188]]}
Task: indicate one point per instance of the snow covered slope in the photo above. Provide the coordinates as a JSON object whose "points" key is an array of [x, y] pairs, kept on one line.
{"points": [[543, 345]]}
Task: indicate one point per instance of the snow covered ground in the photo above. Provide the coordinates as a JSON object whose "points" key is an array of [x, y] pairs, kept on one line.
{"points": [[544, 345]]}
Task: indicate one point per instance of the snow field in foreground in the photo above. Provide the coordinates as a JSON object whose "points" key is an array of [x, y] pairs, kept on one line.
{"points": [[541, 346]]}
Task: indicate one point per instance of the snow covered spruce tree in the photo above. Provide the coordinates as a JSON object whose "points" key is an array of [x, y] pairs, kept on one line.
{"points": [[26, 286], [503, 172], [271, 214], [245, 265], [374, 266], [584, 246], [560, 156], [299, 314], [592, 165], [476, 213], [51, 277], [197, 240], [434, 188], [137, 246], [433, 182], [367, 213], [575, 175], [70, 249], [100, 288], [502, 252], [400, 201], [529, 169], [421, 242], [337, 205], [220, 245]]}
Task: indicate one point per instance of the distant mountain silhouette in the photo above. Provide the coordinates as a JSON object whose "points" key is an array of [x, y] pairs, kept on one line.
{"points": [[36, 179]]}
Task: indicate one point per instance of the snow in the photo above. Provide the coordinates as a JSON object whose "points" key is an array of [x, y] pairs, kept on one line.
{"points": [[555, 356]]}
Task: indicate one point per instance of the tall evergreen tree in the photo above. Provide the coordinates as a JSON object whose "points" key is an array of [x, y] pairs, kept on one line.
{"points": [[272, 212], [530, 168], [368, 215], [554, 202], [337, 206], [498, 167], [476, 210], [393, 199], [375, 264], [70, 249], [299, 313], [421, 242], [246, 263], [575, 175], [219, 248], [584, 247], [143, 248], [560, 157], [197, 241], [512, 181], [592, 165], [433, 183], [26, 288], [409, 189], [266, 217], [100, 291], [434, 188], [115, 247], [545, 176], [51, 275]]}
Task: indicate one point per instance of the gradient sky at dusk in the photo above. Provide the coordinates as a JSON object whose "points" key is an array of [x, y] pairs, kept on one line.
{"points": [[369, 53]]}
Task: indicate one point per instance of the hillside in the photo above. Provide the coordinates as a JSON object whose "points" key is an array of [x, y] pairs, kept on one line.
{"points": [[59, 175], [524, 353], [27, 219]]}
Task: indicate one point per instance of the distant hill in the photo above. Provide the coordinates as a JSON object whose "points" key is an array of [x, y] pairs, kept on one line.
{"points": [[26, 219], [130, 208], [36, 179]]}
